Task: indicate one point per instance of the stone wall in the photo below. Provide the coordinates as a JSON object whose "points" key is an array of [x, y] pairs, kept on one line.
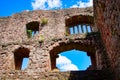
{"points": [[107, 19], [41, 54], [13, 29], [73, 75], [13, 36]]}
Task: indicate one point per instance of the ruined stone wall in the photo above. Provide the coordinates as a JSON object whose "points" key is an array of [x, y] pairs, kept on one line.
{"points": [[13, 29], [13, 36], [107, 19], [40, 54], [73, 75]]}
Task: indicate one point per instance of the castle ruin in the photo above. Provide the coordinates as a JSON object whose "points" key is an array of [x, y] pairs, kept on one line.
{"points": [[42, 34]]}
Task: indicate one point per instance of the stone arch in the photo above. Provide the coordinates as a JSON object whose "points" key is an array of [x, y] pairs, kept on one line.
{"points": [[82, 45], [80, 24], [32, 28], [19, 54]]}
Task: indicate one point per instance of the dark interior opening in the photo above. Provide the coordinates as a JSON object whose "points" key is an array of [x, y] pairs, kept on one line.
{"points": [[79, 19], [19, 55], [32, 28]]}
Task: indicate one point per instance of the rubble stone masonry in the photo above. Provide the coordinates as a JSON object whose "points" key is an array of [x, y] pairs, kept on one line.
{"points": [[107, 19], [42, 34]]}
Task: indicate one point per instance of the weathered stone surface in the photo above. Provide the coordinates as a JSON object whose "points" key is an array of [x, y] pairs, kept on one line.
{"points": [[107, 19], [74, 75], [53, 37], [16, 24]]}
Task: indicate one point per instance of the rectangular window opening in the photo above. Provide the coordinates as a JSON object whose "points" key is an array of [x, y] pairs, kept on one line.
{"points": [[76, 29], [89, 28], [71, 30], [84, 29]]}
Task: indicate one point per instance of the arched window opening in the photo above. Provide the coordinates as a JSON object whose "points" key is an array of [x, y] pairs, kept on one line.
{"points": [[73, 50], [73, 60], [32, 29], [79, 24], [21, 58]]}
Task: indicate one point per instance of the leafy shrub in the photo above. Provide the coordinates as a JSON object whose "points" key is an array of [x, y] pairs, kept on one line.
{"points": [[29, 33], [41, 38], [66, 34], [44, 21]]}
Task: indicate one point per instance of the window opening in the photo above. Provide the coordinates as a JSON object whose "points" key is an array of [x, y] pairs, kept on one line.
{"points": [[73, 60], [89, 28], [25, 63], [79, 24], [32, 29], [21, 56], [71, 30], [76, 29], [80, 29], [84, 29]]}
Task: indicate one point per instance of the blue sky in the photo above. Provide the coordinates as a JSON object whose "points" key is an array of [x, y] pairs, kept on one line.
{"points": [[73, 60], [77, 60], [9, 7]]}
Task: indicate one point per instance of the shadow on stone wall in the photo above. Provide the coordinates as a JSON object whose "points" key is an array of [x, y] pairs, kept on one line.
{"points": [[90, 75]]}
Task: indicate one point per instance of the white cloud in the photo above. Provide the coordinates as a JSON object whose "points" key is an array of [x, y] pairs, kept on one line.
{"points": [[46, 4], [82, 4], [65, 64]]}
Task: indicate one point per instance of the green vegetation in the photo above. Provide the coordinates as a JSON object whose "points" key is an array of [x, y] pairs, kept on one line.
{"points": [[66, 34], [67, 31], [41, 39], [29, 33], [44, 21]]}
